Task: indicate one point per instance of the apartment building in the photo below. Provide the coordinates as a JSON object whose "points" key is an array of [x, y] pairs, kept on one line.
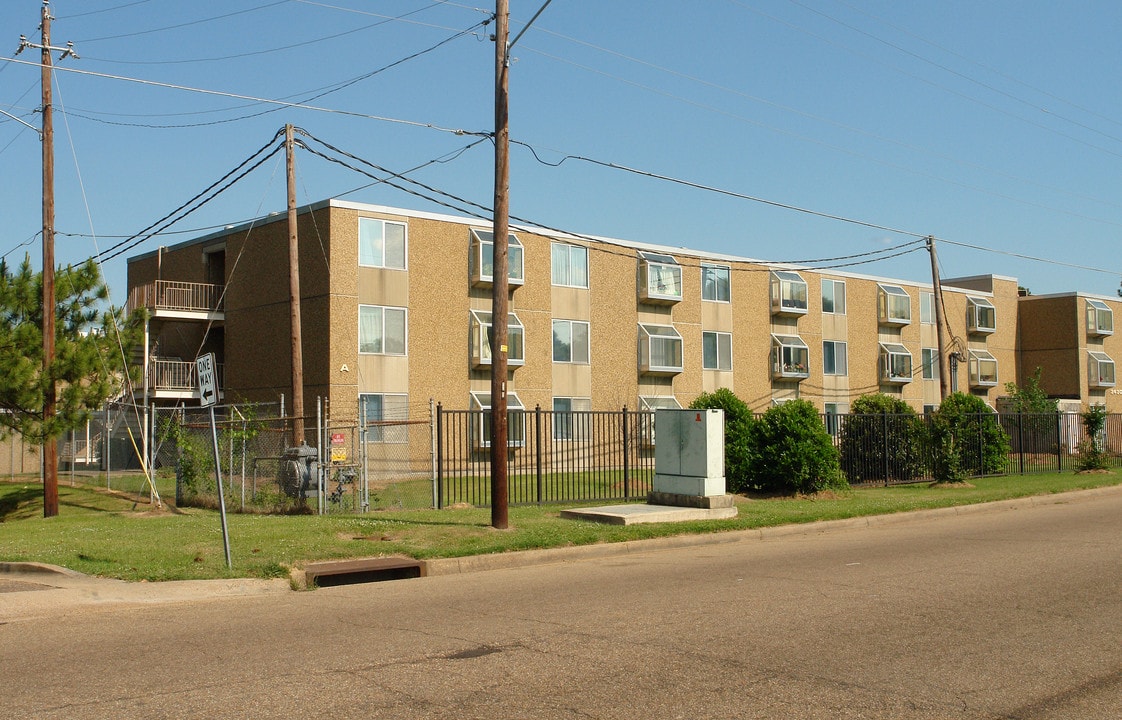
{"points": [[1070, 336], [395, 309]]}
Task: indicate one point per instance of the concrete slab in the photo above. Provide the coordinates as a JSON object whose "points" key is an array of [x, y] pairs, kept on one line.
{"points": [[635, 514]]}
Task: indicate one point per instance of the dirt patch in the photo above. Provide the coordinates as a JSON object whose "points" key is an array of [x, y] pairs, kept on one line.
{"points": [[952, 485]]}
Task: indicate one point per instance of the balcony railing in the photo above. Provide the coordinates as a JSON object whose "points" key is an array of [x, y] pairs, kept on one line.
{"points": [[178, 296], [176, 375]]}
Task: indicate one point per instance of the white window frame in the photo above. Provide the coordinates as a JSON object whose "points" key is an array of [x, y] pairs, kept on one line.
{"points": [[1100, 318], [789, 293], [481, 321], [572, 423], [832, 414], [574, 346], [515, 420], [929, 361], [890, 371], [1097, 362], [650, 334], [562, 263], [367, 225], [398, 409], [891, 301], [836, 307], [927, 308], [839, 368], [379, 312], [977, 359], [721, 343], [785, 363], [483, 246], [976, 310], [711, 290], [652, 285], [649, 405]]}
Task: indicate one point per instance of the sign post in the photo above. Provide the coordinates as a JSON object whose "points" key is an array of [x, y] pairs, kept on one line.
{"points": [[208, 396]]}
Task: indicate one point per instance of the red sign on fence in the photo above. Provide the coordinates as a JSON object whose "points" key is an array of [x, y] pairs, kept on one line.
{"points": [[338, 438]]}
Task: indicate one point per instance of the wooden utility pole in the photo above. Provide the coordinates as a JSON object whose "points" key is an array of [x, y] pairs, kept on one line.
{"points": [[499, 277], [294, 293], [939, 320], [50, 442]]}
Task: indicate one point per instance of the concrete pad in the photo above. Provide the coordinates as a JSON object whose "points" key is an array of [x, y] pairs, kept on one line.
{"points": [[635, 514]]}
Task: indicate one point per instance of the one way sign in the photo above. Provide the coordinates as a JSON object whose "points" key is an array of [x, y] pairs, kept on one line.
{"points": [[208, 386]]}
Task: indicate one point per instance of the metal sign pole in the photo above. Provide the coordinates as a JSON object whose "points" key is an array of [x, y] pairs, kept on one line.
{"points": [[208, 396]]}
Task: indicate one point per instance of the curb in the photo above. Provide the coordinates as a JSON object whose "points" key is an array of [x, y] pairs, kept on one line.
{"points": [[525, 558]]}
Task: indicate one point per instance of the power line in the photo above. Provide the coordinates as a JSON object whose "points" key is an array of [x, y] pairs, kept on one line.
{"points": [[236, 96]]}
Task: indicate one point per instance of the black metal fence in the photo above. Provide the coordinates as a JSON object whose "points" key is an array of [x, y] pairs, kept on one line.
{"points": [[552, 456], [556, 456]]}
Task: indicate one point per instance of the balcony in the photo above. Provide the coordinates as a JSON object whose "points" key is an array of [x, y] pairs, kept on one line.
{"points": [[176, 300], [174, 379]]}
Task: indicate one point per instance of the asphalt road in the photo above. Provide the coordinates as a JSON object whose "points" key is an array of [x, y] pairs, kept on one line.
{"points": [[1011, 613]]}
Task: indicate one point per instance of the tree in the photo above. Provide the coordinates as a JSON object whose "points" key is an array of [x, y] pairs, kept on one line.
{"points": [[91, 346], [1092, 454], [1030, 398], [792, 452], [881, 440], [738, 419]]}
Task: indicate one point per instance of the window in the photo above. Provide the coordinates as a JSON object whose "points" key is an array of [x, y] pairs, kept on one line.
{"points": [[660, 350], [1101, 371], [790, 358], [570, 341], [983, 369], [834, 416], [716, 351], [833, 297], [788, 293], [715, 284], [481, 339], [834, 360], [894, 305], [895, 363], [660, 278], [483, 259], [1100, 318], [649, 405], [385, 416], [481, 421], [929, 358], [981, 317], [570, 265], [927, 308], [381, 244], [571, 419], [381, 330]]}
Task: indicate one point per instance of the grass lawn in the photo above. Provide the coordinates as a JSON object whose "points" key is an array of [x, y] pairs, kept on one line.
{"points": [[120, 535]]}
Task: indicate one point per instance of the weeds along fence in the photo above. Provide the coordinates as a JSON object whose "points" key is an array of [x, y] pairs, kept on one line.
{"points": [[348, 467], [552, 456]]}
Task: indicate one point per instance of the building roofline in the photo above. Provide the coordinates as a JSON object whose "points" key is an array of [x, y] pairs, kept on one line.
{"points": [[701, 255]]}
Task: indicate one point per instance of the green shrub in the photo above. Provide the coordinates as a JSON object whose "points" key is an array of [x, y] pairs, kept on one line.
{"points": [[1092, 456], [881, 439], [738, 420], [791, 452], [966, 439]]}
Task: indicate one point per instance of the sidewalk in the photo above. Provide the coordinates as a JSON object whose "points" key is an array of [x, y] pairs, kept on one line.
{"points": [[33, 590]]}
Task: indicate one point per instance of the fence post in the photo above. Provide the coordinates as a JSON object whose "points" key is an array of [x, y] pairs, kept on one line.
{"points": [[626, 458], [538, 448], [1059, 442], [1021, 439], [884, 436], [439, 457]]}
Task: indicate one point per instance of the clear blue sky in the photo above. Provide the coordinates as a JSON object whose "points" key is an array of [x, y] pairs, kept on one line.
{"points": [[990, 124]]}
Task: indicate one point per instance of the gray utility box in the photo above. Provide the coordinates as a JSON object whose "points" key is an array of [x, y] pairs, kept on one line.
{"points": [[299, 472], [690, 452]]}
